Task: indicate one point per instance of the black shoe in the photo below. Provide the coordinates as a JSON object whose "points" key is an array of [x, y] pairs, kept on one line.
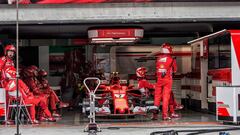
{"points": [[154, 117]]}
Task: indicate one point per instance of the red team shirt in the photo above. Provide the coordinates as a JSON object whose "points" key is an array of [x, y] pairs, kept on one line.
{"points": [[4, 63], [167, 64]]}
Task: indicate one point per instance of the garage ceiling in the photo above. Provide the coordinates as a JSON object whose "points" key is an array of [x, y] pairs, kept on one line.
{"points": [[43, 31]]}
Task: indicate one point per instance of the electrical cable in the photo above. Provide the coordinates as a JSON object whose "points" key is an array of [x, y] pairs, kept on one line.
{"points": [[175, 132]]}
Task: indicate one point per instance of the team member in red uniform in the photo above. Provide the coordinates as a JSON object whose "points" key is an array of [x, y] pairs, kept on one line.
{"points": [[52, 95], [30, 78], [10, 86], [7, 59], [144, 85], [165, 67]]}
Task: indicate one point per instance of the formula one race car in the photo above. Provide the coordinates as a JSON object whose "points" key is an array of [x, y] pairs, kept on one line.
{"points": [[115, 98]]}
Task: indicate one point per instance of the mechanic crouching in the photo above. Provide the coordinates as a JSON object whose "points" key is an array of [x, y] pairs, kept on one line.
{"points": [[30, 78], [53, 98]]}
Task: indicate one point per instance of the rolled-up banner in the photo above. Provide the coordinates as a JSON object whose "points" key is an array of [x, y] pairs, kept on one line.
{"points": [[100, 1]]}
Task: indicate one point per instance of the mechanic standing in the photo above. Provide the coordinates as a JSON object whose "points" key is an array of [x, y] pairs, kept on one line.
{"points": [[165, 67], [8, 58]]}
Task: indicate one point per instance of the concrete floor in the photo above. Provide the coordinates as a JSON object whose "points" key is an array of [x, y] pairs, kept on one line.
{"points": [[73, 123]]}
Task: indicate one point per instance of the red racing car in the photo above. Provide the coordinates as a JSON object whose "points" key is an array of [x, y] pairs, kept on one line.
{"points": [[115, 98]]}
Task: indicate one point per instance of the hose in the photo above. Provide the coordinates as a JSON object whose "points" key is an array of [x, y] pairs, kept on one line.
{"points": [[195, 132]]}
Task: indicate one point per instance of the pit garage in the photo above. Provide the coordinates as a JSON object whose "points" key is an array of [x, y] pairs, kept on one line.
{"points": [[70, 50]]}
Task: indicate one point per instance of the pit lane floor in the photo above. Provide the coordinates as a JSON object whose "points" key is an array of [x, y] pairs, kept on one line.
{"points": [[73, 123]]}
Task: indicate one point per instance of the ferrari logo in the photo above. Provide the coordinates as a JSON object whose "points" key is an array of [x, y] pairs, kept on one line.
{"points": [[161, 66], [164, 59]]}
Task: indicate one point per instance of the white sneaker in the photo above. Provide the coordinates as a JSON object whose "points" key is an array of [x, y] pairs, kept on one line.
{"points": [[138, 109]]}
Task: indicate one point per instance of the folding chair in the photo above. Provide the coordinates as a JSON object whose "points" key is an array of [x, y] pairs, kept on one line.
{"points": [[22, 109], [2, 105]]}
